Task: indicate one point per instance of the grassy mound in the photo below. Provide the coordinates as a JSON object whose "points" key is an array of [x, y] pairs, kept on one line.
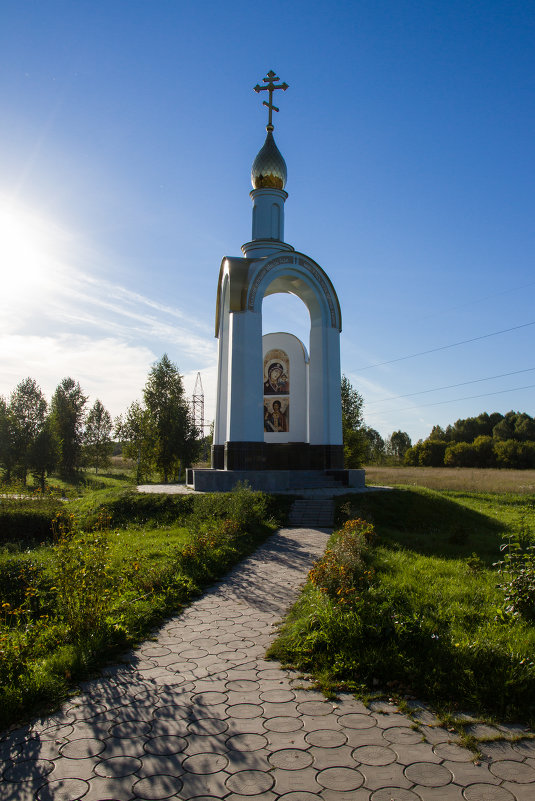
{"points": [[419, 609], [69, 606]]}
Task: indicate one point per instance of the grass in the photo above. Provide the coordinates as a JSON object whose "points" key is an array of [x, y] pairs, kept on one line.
{"points": [[466, 479], [432, 621], [71, 605]]}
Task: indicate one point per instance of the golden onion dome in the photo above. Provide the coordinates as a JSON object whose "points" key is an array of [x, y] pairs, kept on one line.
{"points": [[269, 167]]}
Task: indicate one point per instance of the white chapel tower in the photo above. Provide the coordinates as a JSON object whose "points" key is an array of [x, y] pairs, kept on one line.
{"points": [[278, 415]]}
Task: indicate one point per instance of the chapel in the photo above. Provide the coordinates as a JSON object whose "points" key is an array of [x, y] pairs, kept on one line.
{"points": [[278, 421]]}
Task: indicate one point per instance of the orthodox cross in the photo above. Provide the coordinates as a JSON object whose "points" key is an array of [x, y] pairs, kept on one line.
{"points": [[270, 79]]}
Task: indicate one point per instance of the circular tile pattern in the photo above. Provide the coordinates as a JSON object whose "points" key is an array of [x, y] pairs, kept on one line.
{"points": [[242, 685], [283, 724], [131, 728], [315, 708], [453, 752], [63, 790], [355, 720], [269, 674], [157, 787], [428, 774], [193, 653], [232, 656], [205, 763], [512, 771], [155, 651], [56, 733], [171, 711], [487, 792], [250, 782], [115, 767], [291, 759], [210, 698], [277, 696], [166, 745], [374, 755], [246, 742], [28, 770], [341, 779], [402, 735], [394, 794], [82, 749], [245, 711], [206, 726], [299, 795], [326, 738]]}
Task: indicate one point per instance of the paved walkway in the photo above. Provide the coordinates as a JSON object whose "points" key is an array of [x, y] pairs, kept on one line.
{"points": [[198, 713]]}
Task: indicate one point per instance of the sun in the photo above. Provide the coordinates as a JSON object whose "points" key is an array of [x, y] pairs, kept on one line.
{"points": [[28, 253]]}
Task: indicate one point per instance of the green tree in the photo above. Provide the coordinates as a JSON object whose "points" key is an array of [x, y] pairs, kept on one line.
{"points": [[8, 445], [375, 446], [504, 430], [460, 454], [431, 453], [135, 432], [524, 428], [355, 442], [171, 420], [437, 432], [44, 453], [399, 443], [97, 436], [28, 409], [68, 404]]}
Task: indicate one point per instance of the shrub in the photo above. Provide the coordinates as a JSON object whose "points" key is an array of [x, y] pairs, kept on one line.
{"points": [[460, 454], [83, 578], [343, 571], [431, 453], [517, 570], [26, 519]]}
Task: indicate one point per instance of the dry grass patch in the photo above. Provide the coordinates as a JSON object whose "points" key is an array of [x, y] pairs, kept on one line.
{"points": [[468, 479]]}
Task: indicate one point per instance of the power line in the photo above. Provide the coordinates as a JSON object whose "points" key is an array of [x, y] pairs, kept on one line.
{"points": [[444, 347], [449, 386], [454, 400]]}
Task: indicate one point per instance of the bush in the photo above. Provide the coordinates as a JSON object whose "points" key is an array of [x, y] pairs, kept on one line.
{"points": [[25, 519], [343, 571], [517, 570], [460, 454], [431, 453]]}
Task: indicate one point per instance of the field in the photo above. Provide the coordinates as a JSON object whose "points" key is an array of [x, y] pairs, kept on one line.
{"points": [[467, 479]]}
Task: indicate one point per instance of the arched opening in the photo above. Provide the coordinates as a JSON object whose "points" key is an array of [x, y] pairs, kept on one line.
{"points": [[286, 312]]}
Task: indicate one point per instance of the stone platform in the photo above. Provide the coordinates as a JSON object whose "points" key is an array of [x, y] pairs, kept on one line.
{"points": [[210, 480]]}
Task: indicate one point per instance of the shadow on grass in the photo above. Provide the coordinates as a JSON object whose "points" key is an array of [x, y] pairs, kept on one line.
{"points": [[426, 522]]}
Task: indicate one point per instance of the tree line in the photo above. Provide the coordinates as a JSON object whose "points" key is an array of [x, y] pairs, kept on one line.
{"points": [[488, 440], [363, 444], [39, 438]]}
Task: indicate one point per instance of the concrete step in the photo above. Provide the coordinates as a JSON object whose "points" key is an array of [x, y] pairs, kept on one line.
{"points": [[310, 513]]}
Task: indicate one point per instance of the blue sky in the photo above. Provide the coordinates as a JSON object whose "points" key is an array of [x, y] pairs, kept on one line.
{"points": [[127, 136]]}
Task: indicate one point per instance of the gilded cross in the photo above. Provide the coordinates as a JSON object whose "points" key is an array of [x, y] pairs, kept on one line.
{"points": [[270, 80]]}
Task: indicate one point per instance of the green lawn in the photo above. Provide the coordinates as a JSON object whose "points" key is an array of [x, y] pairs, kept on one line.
{"points": [[118, 563], [432, 622]]}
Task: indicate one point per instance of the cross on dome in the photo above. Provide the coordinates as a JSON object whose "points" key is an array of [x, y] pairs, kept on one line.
{"points": [[271, 87]]}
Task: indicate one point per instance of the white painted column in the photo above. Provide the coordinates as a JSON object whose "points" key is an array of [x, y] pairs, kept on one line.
{"points": [[325, 412], [245, 381], [220, 424]]}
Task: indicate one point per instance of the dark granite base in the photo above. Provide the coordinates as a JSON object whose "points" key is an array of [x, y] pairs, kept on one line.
{"points": [[277, 456], [209, 480]]}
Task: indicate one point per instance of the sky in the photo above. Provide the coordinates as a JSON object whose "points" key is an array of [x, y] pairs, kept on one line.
{"points": [[127, 133]]}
